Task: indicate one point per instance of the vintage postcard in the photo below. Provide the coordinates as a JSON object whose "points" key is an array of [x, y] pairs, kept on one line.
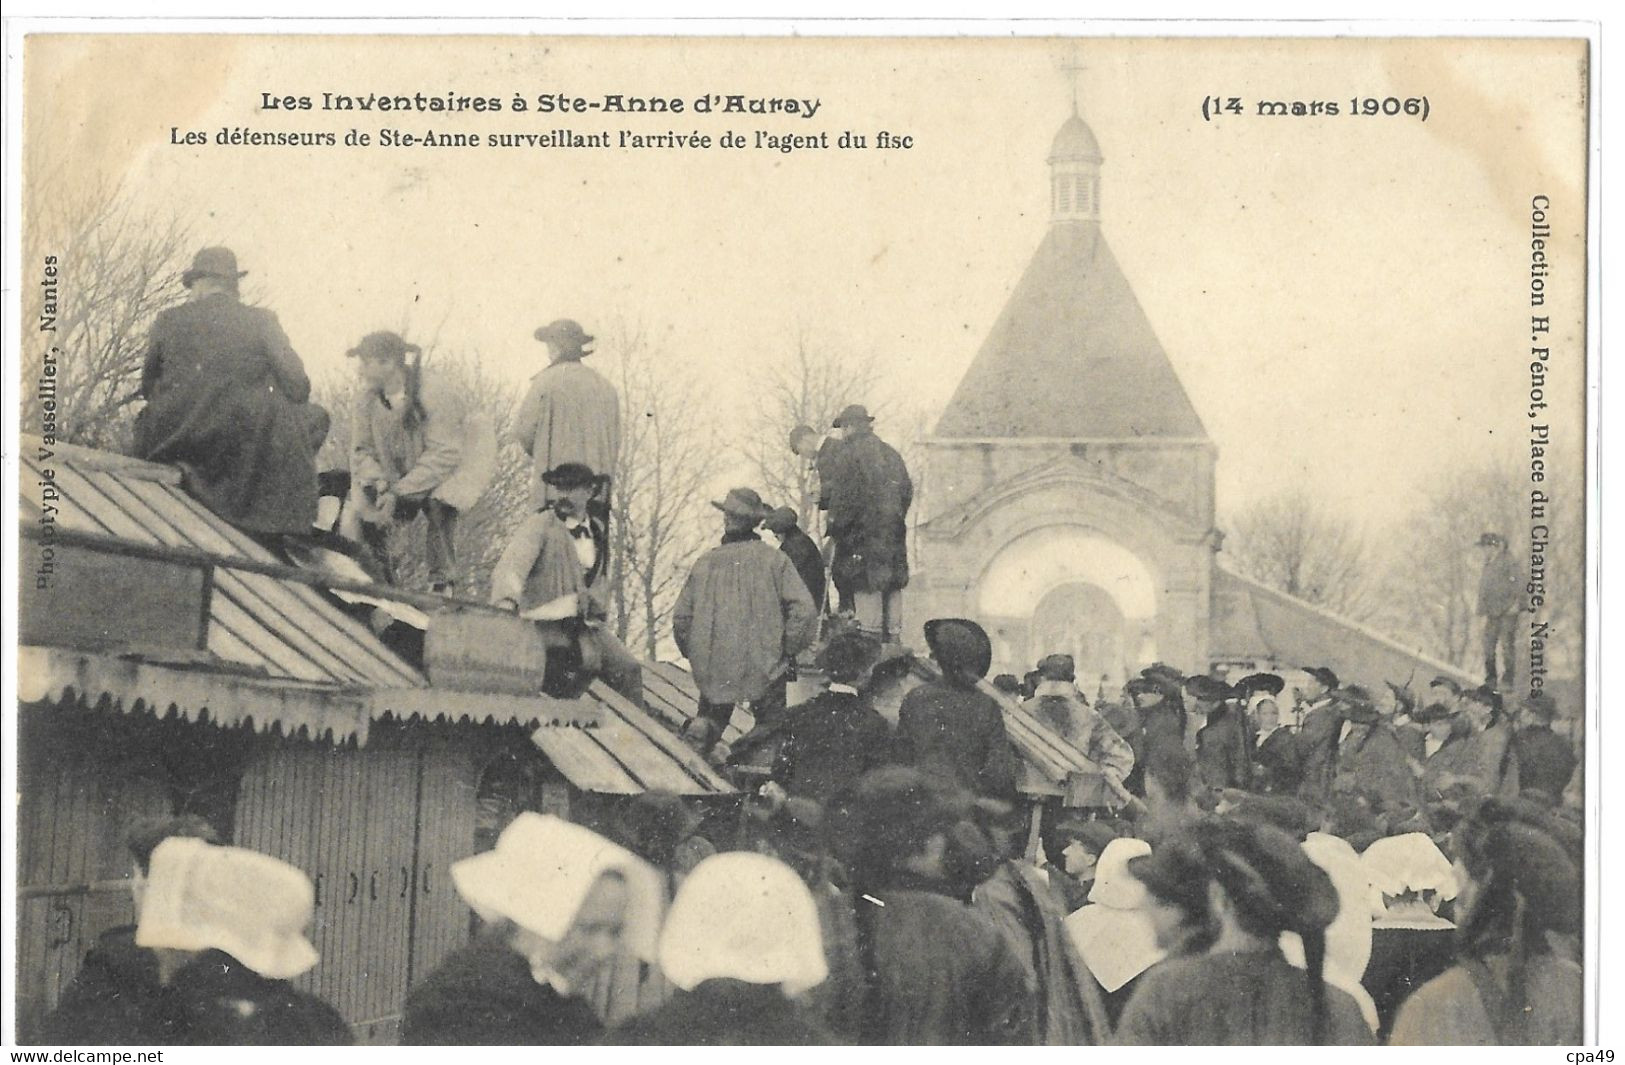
{"points": [[1045, 539]]}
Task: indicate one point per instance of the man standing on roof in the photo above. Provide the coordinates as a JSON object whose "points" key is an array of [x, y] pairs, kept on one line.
{"points": [[570, 413], [415, 447], [800, 549], [868, 522], [1500, 599], [547, 571], [228, 402], [742, 617]]}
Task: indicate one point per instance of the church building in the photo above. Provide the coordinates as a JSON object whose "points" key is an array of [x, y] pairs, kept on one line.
{"points": [[1067, 501]]}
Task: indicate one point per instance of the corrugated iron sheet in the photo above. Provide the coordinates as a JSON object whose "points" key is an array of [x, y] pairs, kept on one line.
{"points": [[304, 664]]}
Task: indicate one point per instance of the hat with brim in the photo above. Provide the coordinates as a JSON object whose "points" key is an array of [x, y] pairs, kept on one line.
{"points": [[1164, 672], [541, 871], [1433, 712], [1443, 681], [1541, 705], [1144, 686], [1323, 674], [782, 519], [961, 645], [1356, 704], [249, 905], [856, 414], [1057, 668], [564, 332], [1173, 872], [742, 503], [218, 263], [567, 476], [1269, 683], [1207, 689]]}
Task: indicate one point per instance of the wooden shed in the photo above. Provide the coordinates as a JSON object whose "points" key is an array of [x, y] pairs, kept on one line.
{"points": [[170, 663]]}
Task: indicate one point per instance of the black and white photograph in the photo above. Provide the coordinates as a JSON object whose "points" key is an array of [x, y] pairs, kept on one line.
{"points": [[1039, 537]]}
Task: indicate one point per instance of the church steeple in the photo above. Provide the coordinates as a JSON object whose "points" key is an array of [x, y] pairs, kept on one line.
{"points": [[1074, 172]]}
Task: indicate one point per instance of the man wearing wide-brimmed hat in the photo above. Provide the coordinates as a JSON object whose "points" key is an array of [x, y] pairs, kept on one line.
{"points": [[868, 498], [1500, 599], [742, 617], [1370, 755], [1318, 730], [570, 413], [227, 402]]}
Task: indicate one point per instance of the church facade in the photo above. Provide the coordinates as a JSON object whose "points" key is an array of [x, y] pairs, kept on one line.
{"points": [[1067, 498]]}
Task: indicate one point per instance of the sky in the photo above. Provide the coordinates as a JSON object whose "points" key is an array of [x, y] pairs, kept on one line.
{"points": [[1345, 298]]}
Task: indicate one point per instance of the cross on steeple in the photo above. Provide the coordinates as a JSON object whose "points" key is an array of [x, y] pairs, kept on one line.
{"points": [[1072, 66]]}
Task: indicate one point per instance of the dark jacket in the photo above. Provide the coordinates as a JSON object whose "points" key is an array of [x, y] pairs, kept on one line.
{"points": [[958, 735], [942, 974], [869, 494], [213, 1000], [225, 401], [724, 1013], [1252, 999], [1545, 760], [1277, 767], [808, 560], [484, 995], [115, 998], [1500, 586], [1372, 760], [1222, 757], [221, 1002], [1317, 750], [829, 742]]}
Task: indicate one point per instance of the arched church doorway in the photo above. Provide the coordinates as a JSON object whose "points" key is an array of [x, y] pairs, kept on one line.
{"points": [[1081, 620], [1068, 589]]}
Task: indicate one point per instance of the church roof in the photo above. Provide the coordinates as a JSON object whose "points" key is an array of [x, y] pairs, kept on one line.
{"points": [[1072, 355], [1075, 140]]}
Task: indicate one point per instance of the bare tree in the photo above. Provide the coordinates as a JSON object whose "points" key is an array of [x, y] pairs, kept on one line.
{"points": [[117, 265], [1293, 542], [660, 518], [810, 388]]}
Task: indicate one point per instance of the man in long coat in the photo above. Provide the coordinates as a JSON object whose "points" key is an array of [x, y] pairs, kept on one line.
{"points": [[1222, 756], [742, 617], [869, 497], [570, 413], [951, 729], [1500, 599], [1058, 703], [1545, 760], [1370, 756], [1321, 724], [227, 402]]}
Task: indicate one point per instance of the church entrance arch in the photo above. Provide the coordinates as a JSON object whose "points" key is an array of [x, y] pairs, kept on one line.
{"points": [[1067, 589]]}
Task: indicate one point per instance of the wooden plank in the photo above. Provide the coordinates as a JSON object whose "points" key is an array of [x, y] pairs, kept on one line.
{"points": [[587, 765], [678, 755], [87, 508], [288, 662]]}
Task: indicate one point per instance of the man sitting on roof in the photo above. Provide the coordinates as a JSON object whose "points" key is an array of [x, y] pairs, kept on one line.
{"points": [[547, 570], [228, 402]]}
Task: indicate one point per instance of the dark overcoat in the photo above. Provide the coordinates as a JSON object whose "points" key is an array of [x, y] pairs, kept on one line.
{"points": [[869, 495], [227, 403], [725, 1013], [484, 995], [829, 742], [957, 735]]}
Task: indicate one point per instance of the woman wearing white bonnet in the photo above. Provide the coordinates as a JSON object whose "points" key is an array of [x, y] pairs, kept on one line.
{"points": [[1348, 937], [228, 925], [559, 901], [1411, 943], [741, 944], [1114, 934]]}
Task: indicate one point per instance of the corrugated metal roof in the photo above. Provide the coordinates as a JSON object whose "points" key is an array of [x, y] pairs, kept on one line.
{"points": [[286, 629], [281, 655]]}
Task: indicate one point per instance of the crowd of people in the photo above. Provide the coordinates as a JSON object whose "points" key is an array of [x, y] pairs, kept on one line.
{"points": [[1276, 861]]}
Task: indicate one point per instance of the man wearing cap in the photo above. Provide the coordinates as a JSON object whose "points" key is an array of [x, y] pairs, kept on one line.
{"points": [[1500, 599], [1321, 724], [1058, 703], [742, 617], [800, 549], [570, 413], [1545, 760], [227, 402], [549, 567], [868, 522]]}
